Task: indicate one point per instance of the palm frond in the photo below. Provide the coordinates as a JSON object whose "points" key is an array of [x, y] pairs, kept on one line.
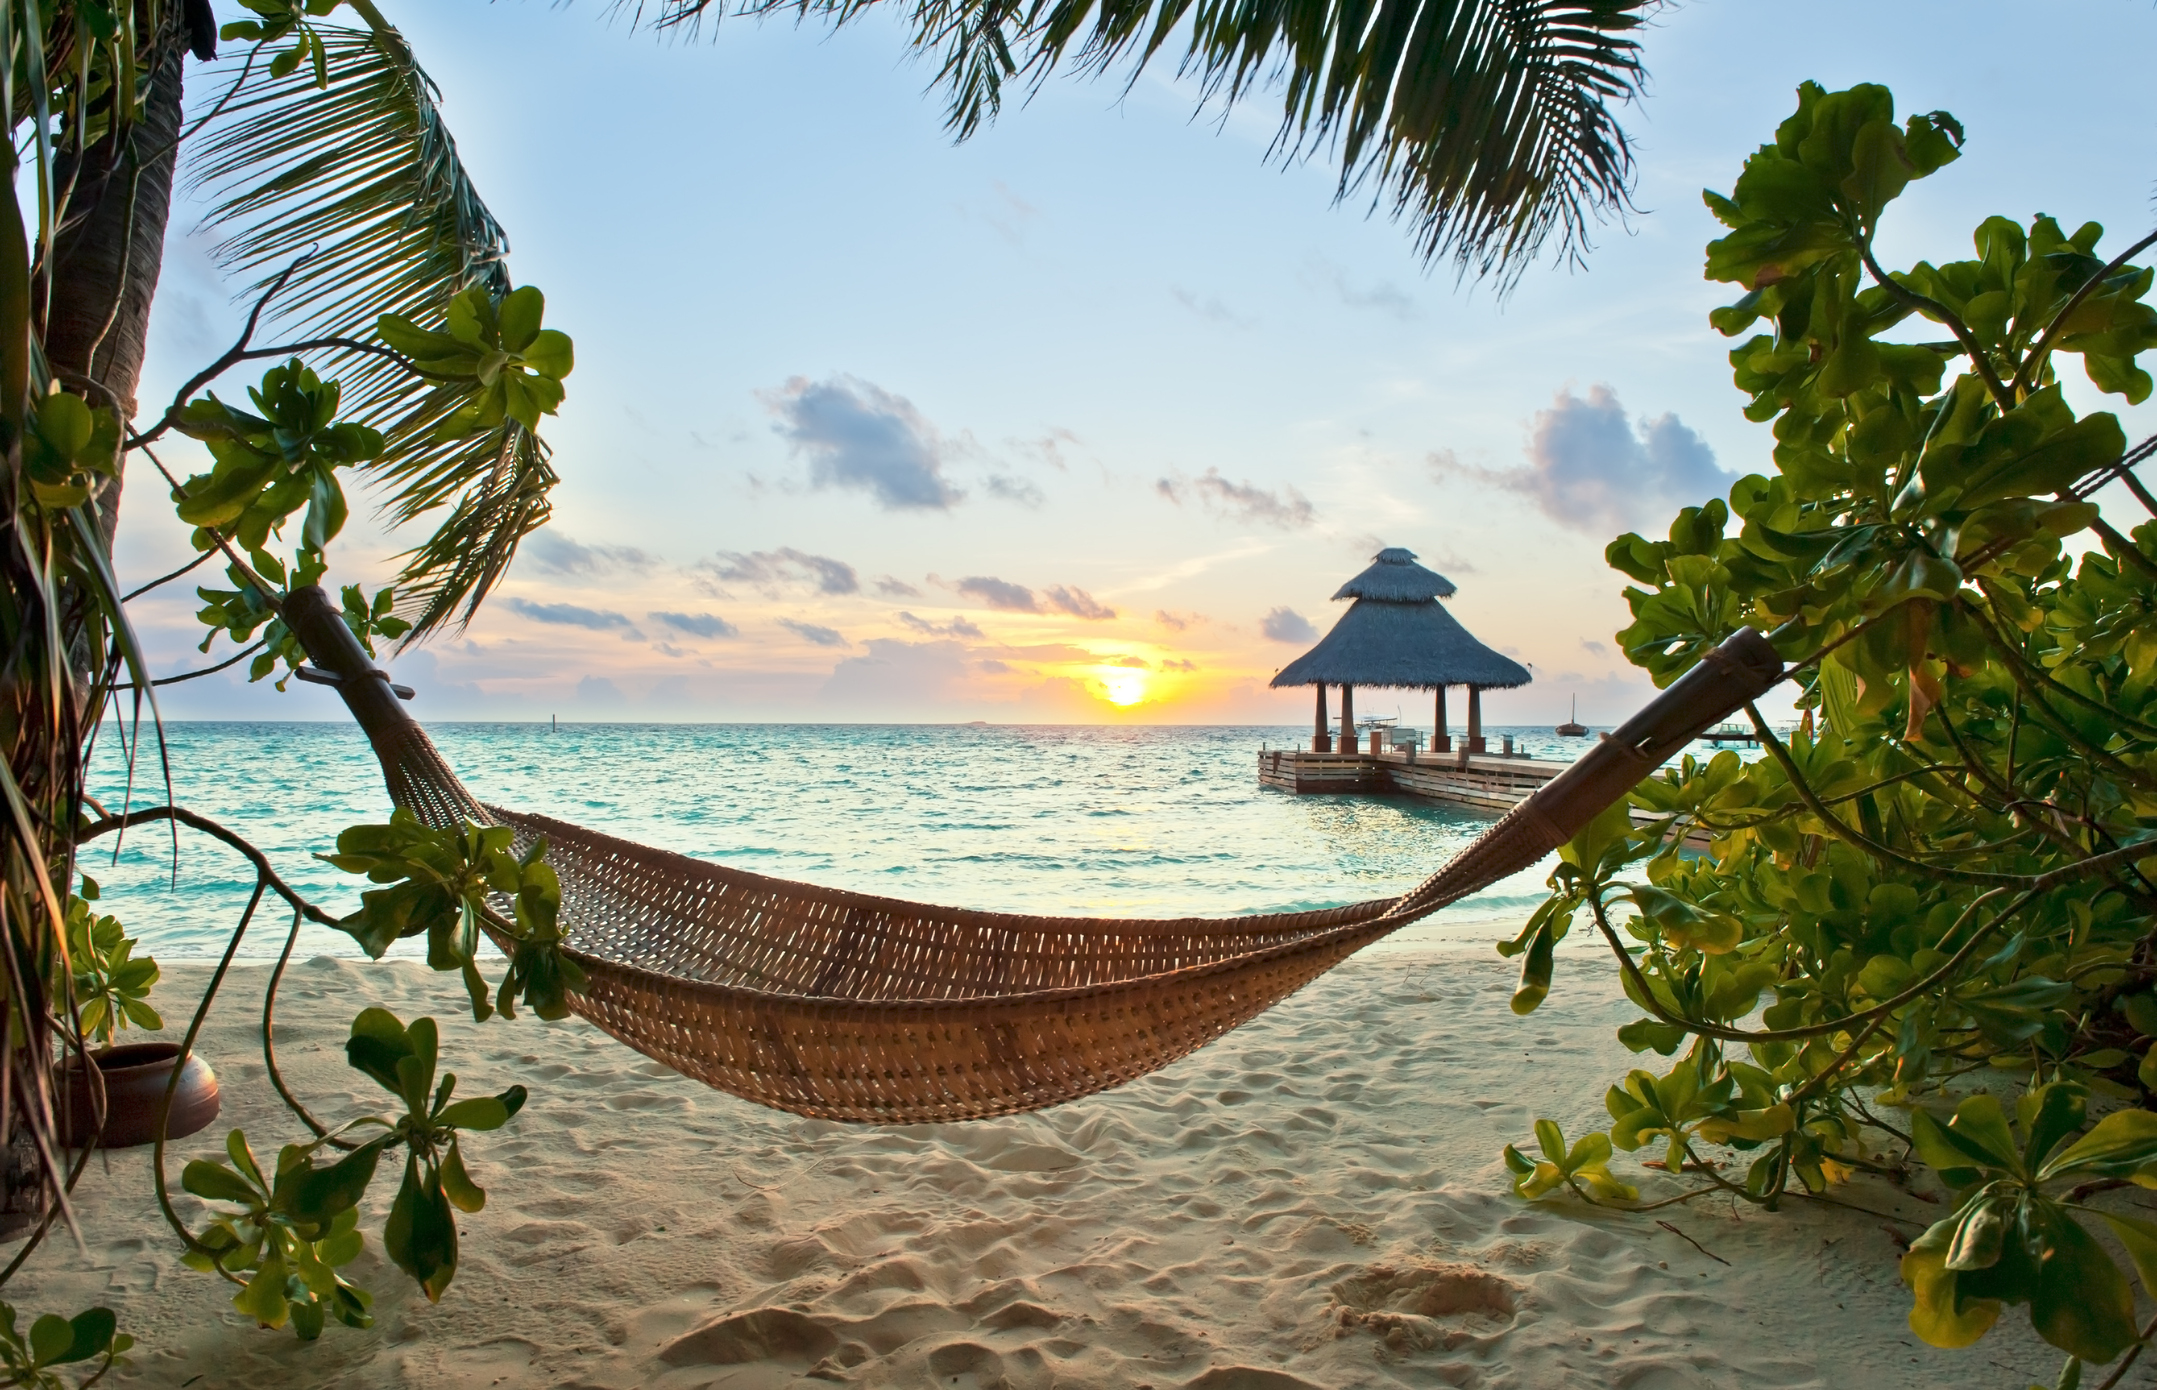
{"points": [[492, 510], [366, 172], [1487, 126]]}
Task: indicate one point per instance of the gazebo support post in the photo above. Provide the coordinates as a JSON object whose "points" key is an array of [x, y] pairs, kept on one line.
{"points": [[1441, 740], [1321, 740], [1348, 718], [1475, 719]]}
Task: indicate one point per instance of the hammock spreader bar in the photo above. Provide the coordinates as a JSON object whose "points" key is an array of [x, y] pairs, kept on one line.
{"points": [[848, 1006]]}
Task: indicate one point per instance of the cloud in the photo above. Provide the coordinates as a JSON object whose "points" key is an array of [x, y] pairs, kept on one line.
{"points": [[783, 568], [957, 627], [1287, 625], [1136, 663], [1211, 309], [1078, 603], [1007, 488], [1184, 665], [1245, 501], [1382, 297], [697, 624], [1178, 622], [1592, 468], [859, 436], [568, 615], [555, 552], [890, 586], [1049, 448], [999, 594], [1011, 214], [810, 632], [1593, 648]]}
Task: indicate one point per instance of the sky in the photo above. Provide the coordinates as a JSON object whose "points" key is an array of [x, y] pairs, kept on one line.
{"points": [[1085, 419]]}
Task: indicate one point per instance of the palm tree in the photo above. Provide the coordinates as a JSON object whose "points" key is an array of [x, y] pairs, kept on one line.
{"points": [[1486, 126]]}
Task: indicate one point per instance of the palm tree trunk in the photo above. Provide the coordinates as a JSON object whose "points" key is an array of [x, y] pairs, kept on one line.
{"points": [[107, 251], [110, 248]]}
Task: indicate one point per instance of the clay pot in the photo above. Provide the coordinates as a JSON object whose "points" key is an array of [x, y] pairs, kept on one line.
{"points": [[135, 1077]]}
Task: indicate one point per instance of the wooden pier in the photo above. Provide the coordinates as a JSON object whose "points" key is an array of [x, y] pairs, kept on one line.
{"points": [[1486, 783], [1483, 782]]}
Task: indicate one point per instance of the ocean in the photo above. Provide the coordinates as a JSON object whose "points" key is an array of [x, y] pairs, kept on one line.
{"points": [[1075, 820]]}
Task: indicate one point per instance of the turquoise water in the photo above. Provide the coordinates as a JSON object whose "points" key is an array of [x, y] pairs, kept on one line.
{"points": [[1156, 821]]}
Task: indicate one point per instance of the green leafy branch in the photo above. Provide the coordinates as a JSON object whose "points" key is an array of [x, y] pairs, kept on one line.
{"points": [[293, 1231], [112, 985], [56, 1341], [281, 19], [2014, 1239], [443, 884]]}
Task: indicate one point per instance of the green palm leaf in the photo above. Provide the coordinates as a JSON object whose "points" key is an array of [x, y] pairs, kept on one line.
{"points": [[365, 171], [1485, 125]]}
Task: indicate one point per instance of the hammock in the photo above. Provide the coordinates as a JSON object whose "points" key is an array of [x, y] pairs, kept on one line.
{"points": [[846, 1006]]}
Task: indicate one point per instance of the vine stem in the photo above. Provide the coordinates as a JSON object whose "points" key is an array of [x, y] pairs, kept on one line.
{"points": [[167, 579], [172, 1082], [211, 828], [269, 1047], [1849, 1053], [241, 655]]}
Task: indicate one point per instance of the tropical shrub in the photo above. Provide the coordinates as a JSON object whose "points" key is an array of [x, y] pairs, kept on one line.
{"points": [[1925, 924]]}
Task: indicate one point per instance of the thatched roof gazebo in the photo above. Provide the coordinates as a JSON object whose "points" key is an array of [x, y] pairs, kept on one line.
{"points": [[1398, 634]]}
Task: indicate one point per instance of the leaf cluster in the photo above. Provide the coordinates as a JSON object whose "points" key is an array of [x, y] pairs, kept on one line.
{"points": [[2014, 1237], [292, 1232], [239, 611], [282, 19], [56, 1341], [444, 885], [69, 448], [111, 983], [492, 357], [268, 466]]}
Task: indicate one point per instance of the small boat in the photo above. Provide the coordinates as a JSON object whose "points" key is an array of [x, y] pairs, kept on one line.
{"points": [[1573, 728]]}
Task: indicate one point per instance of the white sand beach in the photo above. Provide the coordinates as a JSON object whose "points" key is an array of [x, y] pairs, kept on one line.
{"points": [[1315, 1201]]}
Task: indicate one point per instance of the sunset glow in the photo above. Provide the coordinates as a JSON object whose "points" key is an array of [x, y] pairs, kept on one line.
{"points": [[1125, 688]]}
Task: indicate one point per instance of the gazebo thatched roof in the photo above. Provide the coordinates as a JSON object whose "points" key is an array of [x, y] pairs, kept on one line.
{"points": [[1409, 641], [1395, 577]]}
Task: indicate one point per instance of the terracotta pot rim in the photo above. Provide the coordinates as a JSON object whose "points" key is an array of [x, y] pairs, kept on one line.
{"points": [[133, 1057]]}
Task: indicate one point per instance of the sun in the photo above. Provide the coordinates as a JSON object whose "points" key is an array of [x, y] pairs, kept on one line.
{"points": [[1126, 689]]}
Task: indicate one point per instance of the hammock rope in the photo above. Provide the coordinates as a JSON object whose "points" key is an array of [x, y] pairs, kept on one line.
{"points": [[847, 1006]]}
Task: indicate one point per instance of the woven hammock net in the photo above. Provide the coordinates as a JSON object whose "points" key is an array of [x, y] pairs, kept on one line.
{"points": [[846, 1006]]}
